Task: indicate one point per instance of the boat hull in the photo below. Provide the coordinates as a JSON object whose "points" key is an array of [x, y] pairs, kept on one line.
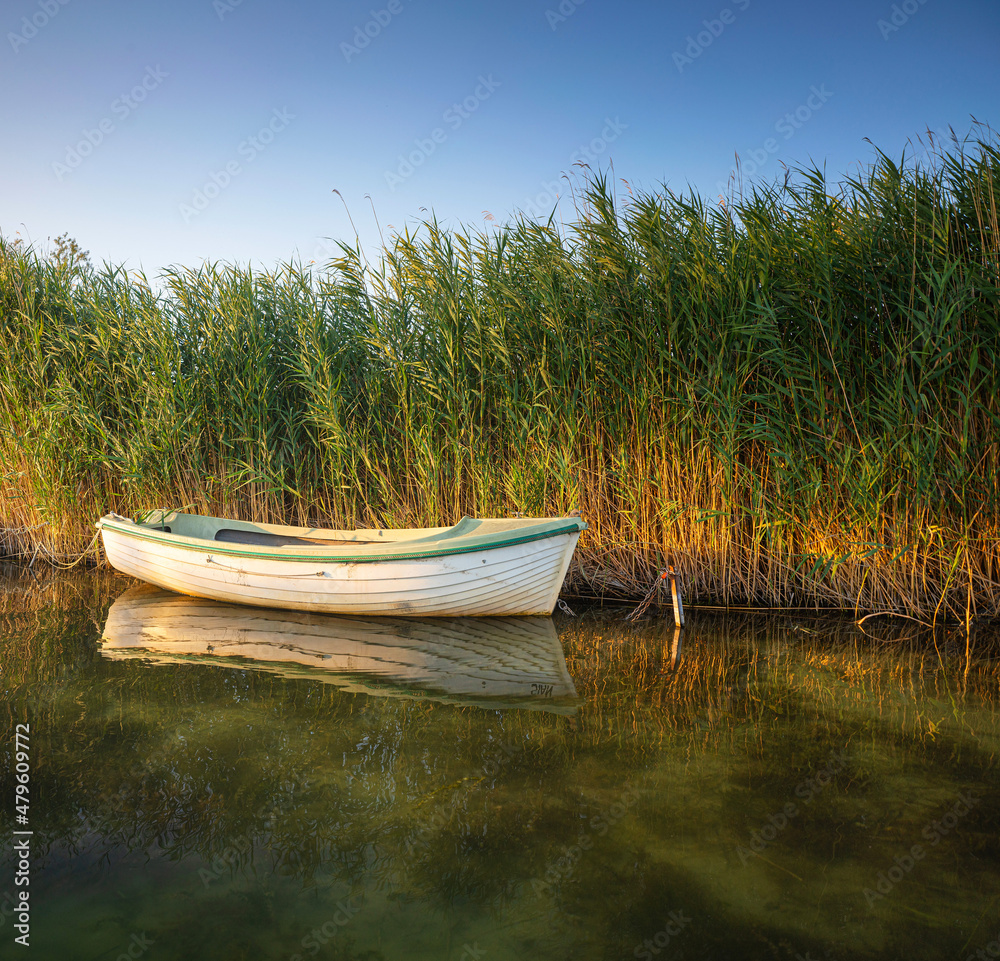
{"points": [[509, 579]]}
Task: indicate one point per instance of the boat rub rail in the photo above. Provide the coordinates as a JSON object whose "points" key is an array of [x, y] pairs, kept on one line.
{"points": [[459, 539]]}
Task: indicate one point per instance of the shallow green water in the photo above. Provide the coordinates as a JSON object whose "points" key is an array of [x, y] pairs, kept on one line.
{"points": [[790, 789]]}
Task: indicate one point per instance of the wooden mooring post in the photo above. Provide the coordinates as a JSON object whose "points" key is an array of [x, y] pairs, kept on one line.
{"points": [[675, 593]]}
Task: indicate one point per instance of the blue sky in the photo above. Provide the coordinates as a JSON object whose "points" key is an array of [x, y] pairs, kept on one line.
{"points": [[170, 133]]}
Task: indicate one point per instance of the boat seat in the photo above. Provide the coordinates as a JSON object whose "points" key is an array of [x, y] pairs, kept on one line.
{"points": [[267, 539]]}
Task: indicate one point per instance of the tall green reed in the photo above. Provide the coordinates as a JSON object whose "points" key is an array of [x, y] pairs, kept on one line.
{"points": [[791, 395]]}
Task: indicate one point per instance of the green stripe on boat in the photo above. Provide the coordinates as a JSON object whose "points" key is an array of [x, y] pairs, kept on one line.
{"points": [[521, 531]]}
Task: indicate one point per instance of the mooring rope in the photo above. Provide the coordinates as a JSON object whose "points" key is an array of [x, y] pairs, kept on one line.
{"points": [[51, 558]]}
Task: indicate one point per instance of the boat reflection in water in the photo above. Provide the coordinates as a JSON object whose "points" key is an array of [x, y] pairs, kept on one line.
{"points": [[489, 662]]}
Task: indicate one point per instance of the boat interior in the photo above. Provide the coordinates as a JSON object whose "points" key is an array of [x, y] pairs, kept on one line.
{"points": [[232, 531]]}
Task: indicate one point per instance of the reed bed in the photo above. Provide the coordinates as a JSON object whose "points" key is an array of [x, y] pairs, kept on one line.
{"points": [[791, 395]]}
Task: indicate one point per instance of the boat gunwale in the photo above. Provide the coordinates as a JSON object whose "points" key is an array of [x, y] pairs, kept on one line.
{"points": [[473, 543]]}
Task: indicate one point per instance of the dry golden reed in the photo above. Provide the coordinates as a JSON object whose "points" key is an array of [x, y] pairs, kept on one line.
{"points": [[792, 396]]}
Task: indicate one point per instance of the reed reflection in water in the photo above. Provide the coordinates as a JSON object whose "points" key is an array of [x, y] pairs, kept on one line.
{"points": [[760, 797]]}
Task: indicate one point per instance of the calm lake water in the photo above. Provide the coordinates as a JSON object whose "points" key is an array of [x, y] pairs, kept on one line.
{"points": [[214, 782]]}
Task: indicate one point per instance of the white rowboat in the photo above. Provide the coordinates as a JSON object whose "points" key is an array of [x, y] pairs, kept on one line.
{"points": [[476, 567]]}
